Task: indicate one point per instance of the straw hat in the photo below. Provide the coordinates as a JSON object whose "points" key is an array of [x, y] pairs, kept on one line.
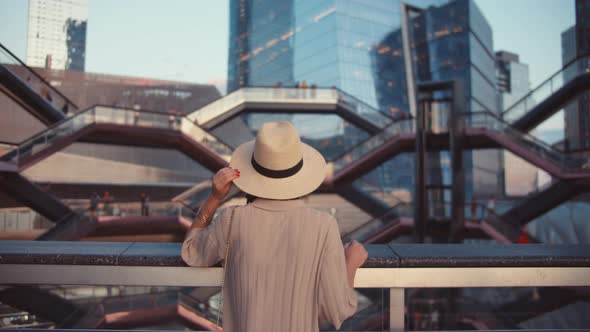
{"points": [[277, 165]]}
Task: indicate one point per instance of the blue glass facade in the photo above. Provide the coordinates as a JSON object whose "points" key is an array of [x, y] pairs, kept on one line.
{"points": [[357, 46], [322, 43], [327, 43], [449, 42], [576, 43], [76, 44], [260, 46]]}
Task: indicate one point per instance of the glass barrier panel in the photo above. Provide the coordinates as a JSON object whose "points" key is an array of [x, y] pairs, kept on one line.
{"points": [[216, 108], [397, 128], [489, 121], [30, 78], [545, 89], [201, 136], [434, 309], [426, 309], [375, 116]]}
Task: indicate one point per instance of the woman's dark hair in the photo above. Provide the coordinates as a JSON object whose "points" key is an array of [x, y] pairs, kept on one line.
{"points": [[250, 198]]}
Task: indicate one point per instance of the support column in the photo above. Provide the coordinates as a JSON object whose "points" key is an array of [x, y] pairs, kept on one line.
{"points": [[397, 308], [421, 200], [456, 123]]}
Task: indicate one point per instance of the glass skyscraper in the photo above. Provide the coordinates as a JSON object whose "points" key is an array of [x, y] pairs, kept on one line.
{"points": [[450, 42], [520, 177], [57, 34], [575, 44], [326, 43], [357, 47]]}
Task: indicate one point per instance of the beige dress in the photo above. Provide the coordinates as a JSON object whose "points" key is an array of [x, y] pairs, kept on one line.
{"points": [[286, 267]]}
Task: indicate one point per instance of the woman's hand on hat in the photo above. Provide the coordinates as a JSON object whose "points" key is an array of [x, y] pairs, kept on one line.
{"points": [[221, 182]]}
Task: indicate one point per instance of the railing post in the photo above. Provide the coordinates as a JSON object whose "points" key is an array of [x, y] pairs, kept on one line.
{"points": [[397, 308]]}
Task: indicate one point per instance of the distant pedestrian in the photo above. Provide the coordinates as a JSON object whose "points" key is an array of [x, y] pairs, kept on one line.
{"points": [[277, 89], [304, 91], [313, 90], [147, 205], [135, 118], [145, 201], [46, 94], [178, 118], [474, 209], [491, 207], [94, 200], [106, 201]]}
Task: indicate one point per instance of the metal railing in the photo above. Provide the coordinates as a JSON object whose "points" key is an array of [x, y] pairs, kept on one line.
{"points": [[277, 96], [490, 121], [36, 82], [118, 116], [547, 88], [396, 279], [474, 212], [398, 127]]}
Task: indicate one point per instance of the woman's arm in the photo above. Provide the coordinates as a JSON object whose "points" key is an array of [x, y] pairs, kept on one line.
{"points": [[203, 246], [355, 256], [220, 186]]}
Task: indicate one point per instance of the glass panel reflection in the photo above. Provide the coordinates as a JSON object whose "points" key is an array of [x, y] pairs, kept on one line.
{"points": [[328, 133], [115, 116], [546, 89], [35, 82]]}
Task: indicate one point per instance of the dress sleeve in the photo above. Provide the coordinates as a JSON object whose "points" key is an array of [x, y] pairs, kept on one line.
{"points": [[336, 298], [206, 246]]}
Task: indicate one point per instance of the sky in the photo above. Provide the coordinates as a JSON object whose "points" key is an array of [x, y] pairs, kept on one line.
{"points": [[187, 40]]}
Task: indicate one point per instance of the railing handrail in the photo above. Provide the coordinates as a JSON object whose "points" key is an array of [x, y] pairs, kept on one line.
{"points": [[140, 110], [120, 108], [117, 263], [355, 146], [559, 71], [163, 113], [38, 76], [370, 137], [266, 87], [490, 215], [385, 114], [509, 126], [396, 267], [54, 125]]}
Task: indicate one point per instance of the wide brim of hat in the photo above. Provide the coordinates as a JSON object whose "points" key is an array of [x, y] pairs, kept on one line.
{"points": [[308, 179]]}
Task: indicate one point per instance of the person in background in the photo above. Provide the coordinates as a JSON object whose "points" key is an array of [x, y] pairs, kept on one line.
{"points": [[313, 90], [491, 207], [94, 200], [474, 215], [106, 202], [143, 200]]}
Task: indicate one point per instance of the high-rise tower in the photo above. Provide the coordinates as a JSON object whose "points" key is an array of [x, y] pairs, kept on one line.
{"points": [[57, 34]]}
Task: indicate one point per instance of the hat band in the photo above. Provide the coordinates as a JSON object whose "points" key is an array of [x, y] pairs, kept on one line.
{"points": [[277, 174]]}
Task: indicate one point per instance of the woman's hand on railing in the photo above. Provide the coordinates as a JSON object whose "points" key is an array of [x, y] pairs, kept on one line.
{"points": [[355, 256]]}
